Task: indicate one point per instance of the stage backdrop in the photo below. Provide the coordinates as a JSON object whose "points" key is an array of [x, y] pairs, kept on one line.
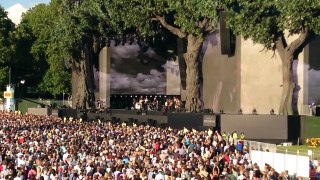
{"points": [[250, 79], [138, 69]]}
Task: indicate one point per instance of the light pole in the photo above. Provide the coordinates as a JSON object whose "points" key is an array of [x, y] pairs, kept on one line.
{"points": [[22, 83]]}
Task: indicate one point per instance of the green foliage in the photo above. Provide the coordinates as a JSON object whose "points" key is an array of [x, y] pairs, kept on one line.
{"points": [[264, 21], [26, 67], [43, 22], [186, 15], [7, 47], [56, 82]]}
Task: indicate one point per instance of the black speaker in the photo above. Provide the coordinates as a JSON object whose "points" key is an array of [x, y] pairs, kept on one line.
{"points": [[317, 113], [227, 39]]}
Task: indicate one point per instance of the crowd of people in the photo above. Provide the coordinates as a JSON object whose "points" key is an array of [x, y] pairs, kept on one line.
{"points": [[50, 148]]}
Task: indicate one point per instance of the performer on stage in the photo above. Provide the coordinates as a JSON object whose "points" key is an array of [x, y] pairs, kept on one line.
{"points": [[145, 103], [155, 103]]}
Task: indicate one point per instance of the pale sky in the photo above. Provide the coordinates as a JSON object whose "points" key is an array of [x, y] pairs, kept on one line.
{"points": [[15, 8]]}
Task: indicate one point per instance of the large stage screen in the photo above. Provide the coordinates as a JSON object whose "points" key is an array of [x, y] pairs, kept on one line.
{"points": [[139, 69]]}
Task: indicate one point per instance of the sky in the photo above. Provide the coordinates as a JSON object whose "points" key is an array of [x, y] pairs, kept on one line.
{"points": [[15, 8]]}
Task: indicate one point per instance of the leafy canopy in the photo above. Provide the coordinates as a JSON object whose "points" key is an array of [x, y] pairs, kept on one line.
{"points": [[42, 20], [7, 47], [181, 17], [264, 21]]}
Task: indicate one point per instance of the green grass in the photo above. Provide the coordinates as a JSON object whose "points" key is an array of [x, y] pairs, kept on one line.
{"points": [[303, 150], [312, 126], [24, 105]]}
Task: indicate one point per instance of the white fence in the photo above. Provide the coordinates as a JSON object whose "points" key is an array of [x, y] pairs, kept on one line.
{"points": [[296, 165], [260, 146]]}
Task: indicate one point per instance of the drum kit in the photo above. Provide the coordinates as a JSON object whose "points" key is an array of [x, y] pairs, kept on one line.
{"points": [[145, 105], [138, 105]]}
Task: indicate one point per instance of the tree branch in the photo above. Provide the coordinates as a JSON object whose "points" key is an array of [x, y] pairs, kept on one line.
{"points": [[171, 28], [203, 23], [298, 43], [280, 45]]}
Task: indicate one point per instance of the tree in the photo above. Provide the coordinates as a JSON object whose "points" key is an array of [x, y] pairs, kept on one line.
{"points": [[188, 19], [266, 22], [39, 25], [32, 73], [7, 47], [79, 43]]}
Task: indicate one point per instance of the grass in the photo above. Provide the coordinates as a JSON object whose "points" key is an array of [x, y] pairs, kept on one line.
{"points": [[303, 151], [312, 126]]}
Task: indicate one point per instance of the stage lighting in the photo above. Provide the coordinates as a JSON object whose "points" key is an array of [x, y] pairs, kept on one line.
{"points": [[123, 42], [272, 111], [131, 41], [254, 111], [108, 43]]}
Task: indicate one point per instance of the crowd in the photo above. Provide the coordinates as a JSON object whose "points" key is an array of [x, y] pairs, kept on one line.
{"points": [[50, 148]]}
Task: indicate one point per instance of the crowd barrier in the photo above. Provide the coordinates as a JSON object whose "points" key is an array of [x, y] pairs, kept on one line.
{"points": [[297, 166], [260, 146]]}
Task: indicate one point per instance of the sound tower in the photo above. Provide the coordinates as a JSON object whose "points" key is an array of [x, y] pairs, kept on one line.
{"points": [[182, 64], [227, 39]]}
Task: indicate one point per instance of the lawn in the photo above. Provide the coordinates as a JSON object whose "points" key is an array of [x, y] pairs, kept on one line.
{"points": [[303, 151]]}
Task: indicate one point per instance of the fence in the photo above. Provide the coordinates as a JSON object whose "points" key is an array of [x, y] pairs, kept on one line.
{"points": [[296, 165], [312, 153], [260, 146]]}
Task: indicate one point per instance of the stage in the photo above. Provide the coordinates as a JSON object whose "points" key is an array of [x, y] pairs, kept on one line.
{"points": [[267, 128], [262, 127], [176, 120]]}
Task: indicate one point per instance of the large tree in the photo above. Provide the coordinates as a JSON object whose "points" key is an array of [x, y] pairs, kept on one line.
{"points": [[267, 22], [39, 25], [188, 19], [80, 42], [7, 47], [24, 39]]}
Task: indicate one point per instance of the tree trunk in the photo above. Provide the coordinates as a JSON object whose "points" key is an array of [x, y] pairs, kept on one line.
{"points": [[193, 101], [287, 86], [85, 97], [287, 54]]}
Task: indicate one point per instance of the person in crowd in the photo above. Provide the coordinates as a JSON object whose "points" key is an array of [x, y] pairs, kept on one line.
{"points": [[52, 148]]}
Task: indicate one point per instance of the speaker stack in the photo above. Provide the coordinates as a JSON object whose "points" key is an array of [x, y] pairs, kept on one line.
{"points": [[227, 38]]}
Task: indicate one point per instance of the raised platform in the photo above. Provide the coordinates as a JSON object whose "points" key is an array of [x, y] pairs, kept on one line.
{"points": [[199, 121], [266, 128]]}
